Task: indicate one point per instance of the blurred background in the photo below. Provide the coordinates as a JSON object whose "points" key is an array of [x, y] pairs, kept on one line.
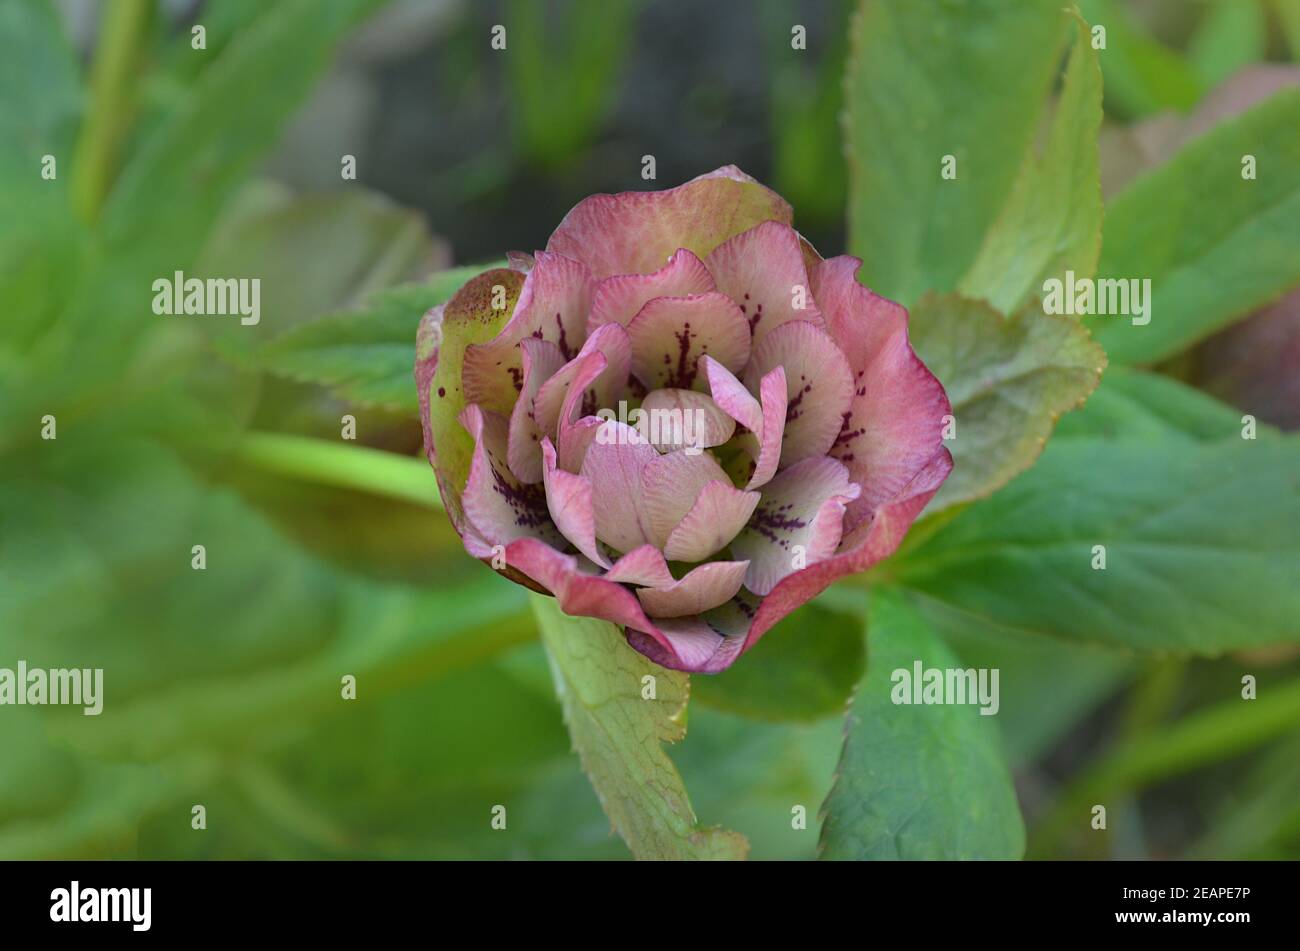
{"points": [[223, 685]]}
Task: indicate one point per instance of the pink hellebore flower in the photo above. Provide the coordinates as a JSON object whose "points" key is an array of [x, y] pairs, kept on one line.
{"points": [[816, 437]]}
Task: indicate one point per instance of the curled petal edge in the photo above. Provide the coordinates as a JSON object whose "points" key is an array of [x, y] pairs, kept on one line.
{"points": [[691, 644]]}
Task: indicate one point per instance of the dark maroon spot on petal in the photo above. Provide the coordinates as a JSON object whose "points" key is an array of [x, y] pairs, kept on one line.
{"points": [[684, 375], [563, 342], [769, 521], [792, 410], [846, 433], [442, 391], [527, 501]]}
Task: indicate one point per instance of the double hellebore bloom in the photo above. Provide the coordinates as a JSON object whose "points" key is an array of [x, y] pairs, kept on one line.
{"points": [[812, 436]]}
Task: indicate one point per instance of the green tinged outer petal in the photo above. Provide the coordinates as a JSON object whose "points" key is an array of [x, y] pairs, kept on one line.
{"points": [[467, 318]]}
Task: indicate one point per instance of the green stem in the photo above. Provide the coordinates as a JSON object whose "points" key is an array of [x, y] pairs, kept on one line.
{"points": [[342, 466], [1204, 737], [112, 80]]}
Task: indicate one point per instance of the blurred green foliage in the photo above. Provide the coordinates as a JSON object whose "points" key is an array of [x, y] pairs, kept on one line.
{"points": [[327, 559]]}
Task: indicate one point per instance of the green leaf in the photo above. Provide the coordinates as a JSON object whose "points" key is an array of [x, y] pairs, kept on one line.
{"points": [[40, 87], [563, 67], [805, 668], [1214, 245], [314, 254], [1201, 551], [1138, 405], [1232, 34], [1142, 74], [1288, 13], [927, 80], [1046, 686], [754, 775], [618, 734], [1051, 222], [1008, 378], [807, 100], [917, 781], [280, 663], [367, 355], [101, 816], [170, 190]]}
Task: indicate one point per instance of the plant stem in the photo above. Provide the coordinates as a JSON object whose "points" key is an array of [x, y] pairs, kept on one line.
{"points": [[346, 467], [112, 80], [1204, 737]]}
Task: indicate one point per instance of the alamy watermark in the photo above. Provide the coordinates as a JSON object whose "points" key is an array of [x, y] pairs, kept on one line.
{"points": [[1109, 296], [675, 427], [215, 296], [77, 904], [947, 685], [58, 686]]}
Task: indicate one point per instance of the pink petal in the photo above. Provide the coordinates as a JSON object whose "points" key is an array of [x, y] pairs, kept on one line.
{"points": [[617, 299], [773, 393], [520, 261], [704, 587], [800, 521], [642, 566], [635, 232], [586, 383], [574, 440], [719, 513], [670, 485], [568, 499], [876, 539], [690, 644], [819, 386], [710, 644], [763, 271], [580, 594], [677, 419], [894, 423], [730, 394], [765, 419], [702, 647], [541, 359], [670, 334], [613, 466], [499, 506], [553, 305]]}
